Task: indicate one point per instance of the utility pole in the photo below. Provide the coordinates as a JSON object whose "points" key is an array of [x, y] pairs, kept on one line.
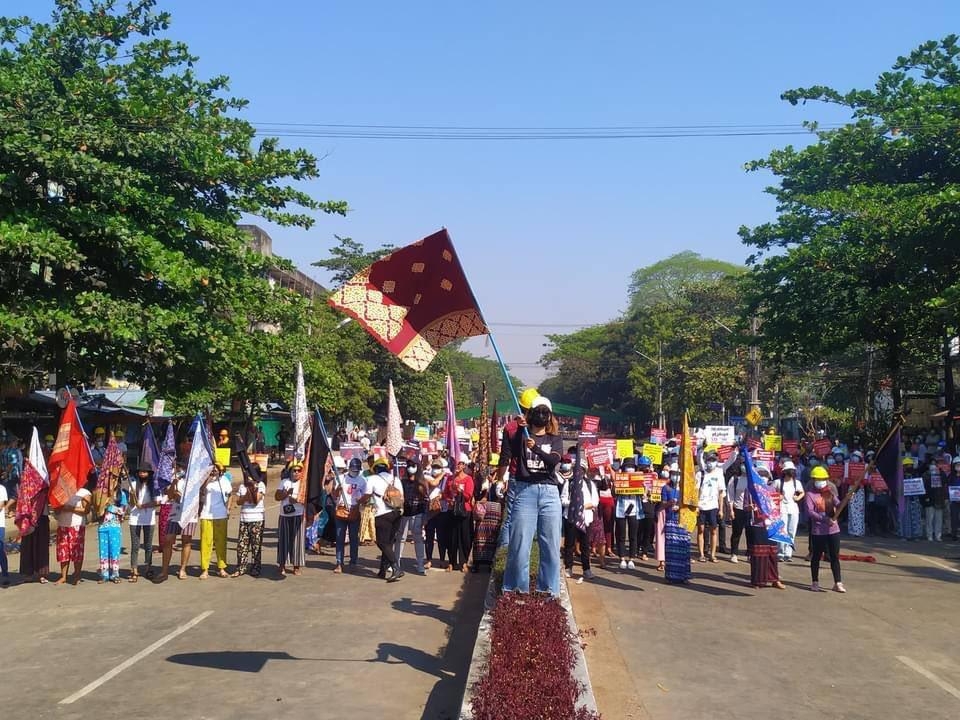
{"points": [[660, 382], [754, 366]]}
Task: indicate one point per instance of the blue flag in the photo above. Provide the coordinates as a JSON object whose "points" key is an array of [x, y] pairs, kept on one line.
{"points": [[760, 494]]}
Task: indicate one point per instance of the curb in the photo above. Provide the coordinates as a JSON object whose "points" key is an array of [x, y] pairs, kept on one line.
{"points": [[481, 650]]}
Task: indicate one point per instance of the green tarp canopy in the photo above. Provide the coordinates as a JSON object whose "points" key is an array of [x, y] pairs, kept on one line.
{"points": [[506, 407]]}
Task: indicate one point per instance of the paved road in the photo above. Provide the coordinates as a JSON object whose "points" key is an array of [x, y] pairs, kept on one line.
{"points": [[319, 646], [719, 649]]}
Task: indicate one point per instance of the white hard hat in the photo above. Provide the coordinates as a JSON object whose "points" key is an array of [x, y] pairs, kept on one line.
{"points": [[788, 465], [464, 458]]}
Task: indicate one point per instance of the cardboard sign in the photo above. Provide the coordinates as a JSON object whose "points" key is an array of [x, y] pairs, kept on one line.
{"points": [[590, 424], [720, 435], [222, 456], [856, 471], [954, 493], [658, 435], [597, 456], [624, 448], [835, 471], [822, 447], [421, 432], [724, 452], [791, 447], [913, 486], [428, 447], [629, 484], [654, 452], [772, 442]]}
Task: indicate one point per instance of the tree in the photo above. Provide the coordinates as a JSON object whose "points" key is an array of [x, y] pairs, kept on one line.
{"points": [[348, 258], [866, 248], [122, 179], [663, 282]]}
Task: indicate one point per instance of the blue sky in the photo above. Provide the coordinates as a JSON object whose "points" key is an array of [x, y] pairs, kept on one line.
{"points": [[548, 231]]}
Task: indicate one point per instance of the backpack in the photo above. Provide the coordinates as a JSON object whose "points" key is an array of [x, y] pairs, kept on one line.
{"points": [[392, 497]]}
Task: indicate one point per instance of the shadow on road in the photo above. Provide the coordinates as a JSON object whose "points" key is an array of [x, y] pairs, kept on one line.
{"points": [[251, 661]]}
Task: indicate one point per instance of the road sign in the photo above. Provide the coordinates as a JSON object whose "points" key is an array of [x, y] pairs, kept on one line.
{"points": [[737, 419], [754, 416]]}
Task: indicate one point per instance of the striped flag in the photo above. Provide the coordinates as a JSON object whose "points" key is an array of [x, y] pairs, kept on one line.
{"points": [[300, 417], [450, 431]]}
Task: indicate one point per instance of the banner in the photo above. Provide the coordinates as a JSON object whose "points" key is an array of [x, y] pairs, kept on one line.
{"points": [[590, 424], [654, 452], [772, 442], [350, 450], [720, 435], [629, 483], [658, 435], [913, 486], [822, 447], [624, 448], [791, 447]]}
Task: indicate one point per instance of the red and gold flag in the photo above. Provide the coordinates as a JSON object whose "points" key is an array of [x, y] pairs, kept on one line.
{"points": [[414, 301], [70, 462]]}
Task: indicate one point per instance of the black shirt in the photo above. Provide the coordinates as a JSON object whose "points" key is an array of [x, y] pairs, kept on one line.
{"points": [[537, 465]]}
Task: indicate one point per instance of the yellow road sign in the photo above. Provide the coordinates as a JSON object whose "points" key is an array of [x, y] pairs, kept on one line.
{"points": [[754, 416]]}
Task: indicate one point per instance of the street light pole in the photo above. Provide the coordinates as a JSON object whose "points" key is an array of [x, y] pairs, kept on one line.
{"points": [[659, 364]]}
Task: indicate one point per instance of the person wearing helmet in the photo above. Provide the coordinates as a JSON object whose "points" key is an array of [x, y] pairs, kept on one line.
{"points": [[99, 450], [822, 503], [791, 493], [387, 518], [911, 522], [535, 505]]}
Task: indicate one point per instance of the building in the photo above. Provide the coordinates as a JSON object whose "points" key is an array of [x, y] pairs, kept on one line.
{"points": [[294, 279]]}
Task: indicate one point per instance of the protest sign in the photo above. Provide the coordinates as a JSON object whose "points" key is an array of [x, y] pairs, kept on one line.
{"points": [[628, 483], [654, 452], [586, 439], [350, 450], [764, 456], [624, 448], [791, 447], [720, 435], [954, 492], [856, 471], [590, 424], [754, 443], [222, 456], [724, 452], [835, 472], [913, 486], [772, 442], [822, 447], [658, 435], [421, 432], [652, 484], [378, 451], [597, 456], [428, 447]]}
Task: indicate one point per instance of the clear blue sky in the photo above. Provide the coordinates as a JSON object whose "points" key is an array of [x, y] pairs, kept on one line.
{"points": [[548, 231]]}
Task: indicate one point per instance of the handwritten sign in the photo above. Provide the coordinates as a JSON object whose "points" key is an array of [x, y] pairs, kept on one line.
{"points": [[654, 452], [913, 486], [791, 447], [772, 442], [658, 435], [629, 484], [822, 447], [624, 448], [954, 492], [720, 435], [590, 423]]}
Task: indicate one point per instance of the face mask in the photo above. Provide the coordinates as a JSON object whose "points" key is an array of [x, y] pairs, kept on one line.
{"points": [[664, 474], [674, 478], [353, 473], [412, 469], [616, 466], [99, 444], [830, 461], [49, 445], [539, 417], [566, 467], [819, 484], [437, 472], [710, 465]]}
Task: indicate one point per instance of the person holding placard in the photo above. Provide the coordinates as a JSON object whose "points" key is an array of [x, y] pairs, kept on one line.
{"points": [[934, 501], [911, 524], [953, 495]]}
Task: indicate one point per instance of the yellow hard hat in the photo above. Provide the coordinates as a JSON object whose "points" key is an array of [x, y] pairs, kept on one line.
{"points": [[118, 435], [908, 460], [99, 431], [48, 437], [819, 473], [494, 459], [527, 397]]}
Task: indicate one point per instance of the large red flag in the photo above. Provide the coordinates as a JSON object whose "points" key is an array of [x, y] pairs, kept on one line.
{"points": [[414, 301], [70, 462]]}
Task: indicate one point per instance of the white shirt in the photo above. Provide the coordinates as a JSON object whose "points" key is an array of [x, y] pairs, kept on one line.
{"points": [[789, 488], [377, 486], [215, 503], [248, 512], [353, 488], [290, 502], [590, 497], [710, 488], [67, 518], [628, 506], [140, 515]]}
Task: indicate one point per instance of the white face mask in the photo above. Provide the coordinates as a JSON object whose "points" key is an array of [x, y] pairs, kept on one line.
{"points": [[566, 467], [412, 469], [711, 465], [99, 444], [819, 484], [437, 472]]}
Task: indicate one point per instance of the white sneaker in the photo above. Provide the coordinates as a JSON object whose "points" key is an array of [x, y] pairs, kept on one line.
{"points": [[567, 573], [734, 559], [623, 564], [631, 565], [587, 575]]}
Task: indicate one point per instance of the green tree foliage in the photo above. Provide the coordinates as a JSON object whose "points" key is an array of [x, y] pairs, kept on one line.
{"points": [[122, 178], [866, 248], [664, 281], [348, 257]]}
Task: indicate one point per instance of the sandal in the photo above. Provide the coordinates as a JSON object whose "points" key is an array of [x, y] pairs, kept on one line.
{"points": [[133, 578], [223, 573], [115, 581], [204, 575], [182, 575], [297, 571], [235, 574], [660, 567]]}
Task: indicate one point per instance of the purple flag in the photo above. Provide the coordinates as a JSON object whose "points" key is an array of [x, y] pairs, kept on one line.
{"points": [[450, 432], [890, 466]]}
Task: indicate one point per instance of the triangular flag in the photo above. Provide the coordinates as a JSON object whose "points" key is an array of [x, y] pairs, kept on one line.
{"points": [[198, 470]]}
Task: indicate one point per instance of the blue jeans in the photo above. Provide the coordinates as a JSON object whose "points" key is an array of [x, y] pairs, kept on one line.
{"points": [[535, 511], [504, 539], [342, 526], [790, 521]]}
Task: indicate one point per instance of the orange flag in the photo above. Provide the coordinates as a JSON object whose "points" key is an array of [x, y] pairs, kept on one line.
{"points": [[70, 462], [688, 481]]}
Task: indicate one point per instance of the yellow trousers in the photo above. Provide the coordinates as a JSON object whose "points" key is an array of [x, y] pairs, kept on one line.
{"points": [[213, 536]]}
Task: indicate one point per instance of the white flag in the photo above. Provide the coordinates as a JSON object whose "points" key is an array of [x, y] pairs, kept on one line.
{"points": [[394, 441], [198, 470], [36, 456], [300, 417]]}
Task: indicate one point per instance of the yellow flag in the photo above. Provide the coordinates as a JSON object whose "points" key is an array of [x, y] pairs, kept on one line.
{"points": [[688, 482]]}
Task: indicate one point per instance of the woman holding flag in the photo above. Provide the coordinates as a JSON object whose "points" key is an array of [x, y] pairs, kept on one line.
{"points": [[822, 509]]}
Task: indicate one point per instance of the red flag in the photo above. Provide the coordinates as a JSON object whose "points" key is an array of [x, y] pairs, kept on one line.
{"points": [[414, 301], [70, 462]]}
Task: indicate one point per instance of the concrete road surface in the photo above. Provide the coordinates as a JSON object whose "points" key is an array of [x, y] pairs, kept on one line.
{"points": [[889, 648], [316, 646]]}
